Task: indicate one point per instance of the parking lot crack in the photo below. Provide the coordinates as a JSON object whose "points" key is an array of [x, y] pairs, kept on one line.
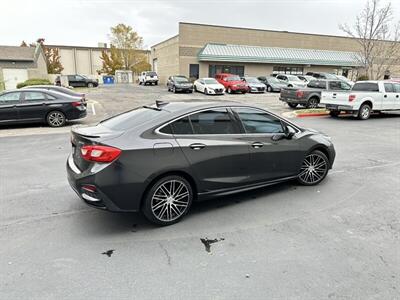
{"points": [[166, 253]]}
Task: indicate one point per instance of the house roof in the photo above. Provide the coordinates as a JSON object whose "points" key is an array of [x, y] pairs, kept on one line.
{"points": [[295, 56], [13, 53]]}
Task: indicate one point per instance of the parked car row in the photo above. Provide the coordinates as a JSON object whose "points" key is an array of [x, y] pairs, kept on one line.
{"points": [[360, 100]]}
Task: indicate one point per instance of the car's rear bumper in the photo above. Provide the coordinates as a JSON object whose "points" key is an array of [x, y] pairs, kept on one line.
{"points": [[339, 107], [100, 198], [293, 100], [76, 114]]}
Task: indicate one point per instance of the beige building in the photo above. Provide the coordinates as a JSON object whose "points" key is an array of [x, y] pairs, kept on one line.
{"points": [[83, 60], [18, 64], [201, 50]]}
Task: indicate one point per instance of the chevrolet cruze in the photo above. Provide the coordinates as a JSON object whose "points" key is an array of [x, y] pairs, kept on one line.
{"points": [[158, 159]]}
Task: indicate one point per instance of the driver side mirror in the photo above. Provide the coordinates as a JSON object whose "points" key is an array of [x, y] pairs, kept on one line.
{"points": [[288, 133]]}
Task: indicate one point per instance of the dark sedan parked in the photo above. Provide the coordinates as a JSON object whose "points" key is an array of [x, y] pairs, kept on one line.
{"points": [[36, 105], [179, 83], [160, 158], [79, 81]]}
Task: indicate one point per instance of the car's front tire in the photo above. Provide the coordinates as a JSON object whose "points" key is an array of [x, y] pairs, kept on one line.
{"points": [[314, 168], [229, 90], [90, 85], [168, 200], [269, 89], [55, 118], [292, 105]]}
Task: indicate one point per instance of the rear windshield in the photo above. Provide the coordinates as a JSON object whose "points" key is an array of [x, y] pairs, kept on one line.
{"points": [[366, 86], [132, 118], [151, 74]]}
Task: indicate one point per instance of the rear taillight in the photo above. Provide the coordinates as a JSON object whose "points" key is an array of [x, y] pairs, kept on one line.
{"points": [[299, 94], [99, 153], [75, 104], [352, 98]]}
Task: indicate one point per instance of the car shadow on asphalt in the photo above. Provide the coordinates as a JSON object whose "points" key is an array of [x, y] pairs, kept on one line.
{"points": [[374, 116], [107, 223]]}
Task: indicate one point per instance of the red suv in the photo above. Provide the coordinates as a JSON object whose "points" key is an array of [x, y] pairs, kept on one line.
{"points": [[232, 83]]}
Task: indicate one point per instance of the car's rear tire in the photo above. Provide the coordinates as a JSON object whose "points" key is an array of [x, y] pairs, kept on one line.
{"points": [[195, 88], [334, 113], [314, 168], [168, 200], [312, 102], [174, 89], [364, 112], [292, 105], [156, 83], [55, 118]]}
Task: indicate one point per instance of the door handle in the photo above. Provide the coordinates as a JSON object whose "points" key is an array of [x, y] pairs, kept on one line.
{"points": [[334, 94], [397, 96], [257, 145], [197, 146], [385, 96]]}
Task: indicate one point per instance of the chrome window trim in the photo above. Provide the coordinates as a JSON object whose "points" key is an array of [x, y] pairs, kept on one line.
{"points": [[157, 130]]}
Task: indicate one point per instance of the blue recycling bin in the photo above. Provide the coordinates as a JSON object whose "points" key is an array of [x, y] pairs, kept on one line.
{"points": [[108, 79]]}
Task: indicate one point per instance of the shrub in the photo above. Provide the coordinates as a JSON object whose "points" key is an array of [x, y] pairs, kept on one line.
{"points": [[33, 81], [362, 78]]}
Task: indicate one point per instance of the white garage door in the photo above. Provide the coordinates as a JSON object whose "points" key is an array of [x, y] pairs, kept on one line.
{"points": [[14, 76]]}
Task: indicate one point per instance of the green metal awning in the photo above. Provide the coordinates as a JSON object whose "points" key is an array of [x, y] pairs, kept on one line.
{"points": [[275, 55]]}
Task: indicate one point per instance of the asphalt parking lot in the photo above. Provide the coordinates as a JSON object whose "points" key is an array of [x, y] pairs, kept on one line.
{"points": [[337, 240]]}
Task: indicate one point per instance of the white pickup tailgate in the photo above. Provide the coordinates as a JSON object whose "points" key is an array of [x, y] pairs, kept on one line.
{"points": [[335, 97]]}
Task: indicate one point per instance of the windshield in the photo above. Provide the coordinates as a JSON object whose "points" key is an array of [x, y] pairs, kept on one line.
{"points": [[293, 78], [181, 79], [132, 118], [151, 74], [252, 80], [210, 81], [233, 78]]}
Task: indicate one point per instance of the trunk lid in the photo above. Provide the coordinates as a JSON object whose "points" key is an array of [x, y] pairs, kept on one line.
{"points": [[89, 135]]}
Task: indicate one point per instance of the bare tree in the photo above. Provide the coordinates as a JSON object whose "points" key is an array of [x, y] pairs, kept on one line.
{"points": [[378, 36]]}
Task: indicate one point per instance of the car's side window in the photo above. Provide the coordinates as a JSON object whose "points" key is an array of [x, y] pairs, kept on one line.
{"points": [[213, 121], [50, 97], [34, 96], [10, 97], [258, 121], [389, 88], [182, 126], [345, 86], [397, 87], [334, 85]]}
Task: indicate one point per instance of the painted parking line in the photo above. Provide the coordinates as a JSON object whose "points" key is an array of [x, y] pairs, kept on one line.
{"points": [[93, 109]]}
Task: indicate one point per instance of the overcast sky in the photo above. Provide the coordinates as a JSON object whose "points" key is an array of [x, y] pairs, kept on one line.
{"points": [[87, 22]]}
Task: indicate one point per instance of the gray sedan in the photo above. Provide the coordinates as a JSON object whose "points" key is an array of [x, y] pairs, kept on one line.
{"points": [[273, 84], [161, 158]]}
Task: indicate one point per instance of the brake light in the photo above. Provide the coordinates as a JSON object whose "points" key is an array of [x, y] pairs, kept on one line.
{"points": [[75, 104], [352, 98], [299, 94], [99, 153]]}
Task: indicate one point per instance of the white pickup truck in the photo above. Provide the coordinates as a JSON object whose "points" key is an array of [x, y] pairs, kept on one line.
{"points": [[148, 77], [364, 98]]}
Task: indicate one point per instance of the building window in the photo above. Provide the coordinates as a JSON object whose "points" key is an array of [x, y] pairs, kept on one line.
{"points": [[194, 71], [288, 70], [215, 69]]}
